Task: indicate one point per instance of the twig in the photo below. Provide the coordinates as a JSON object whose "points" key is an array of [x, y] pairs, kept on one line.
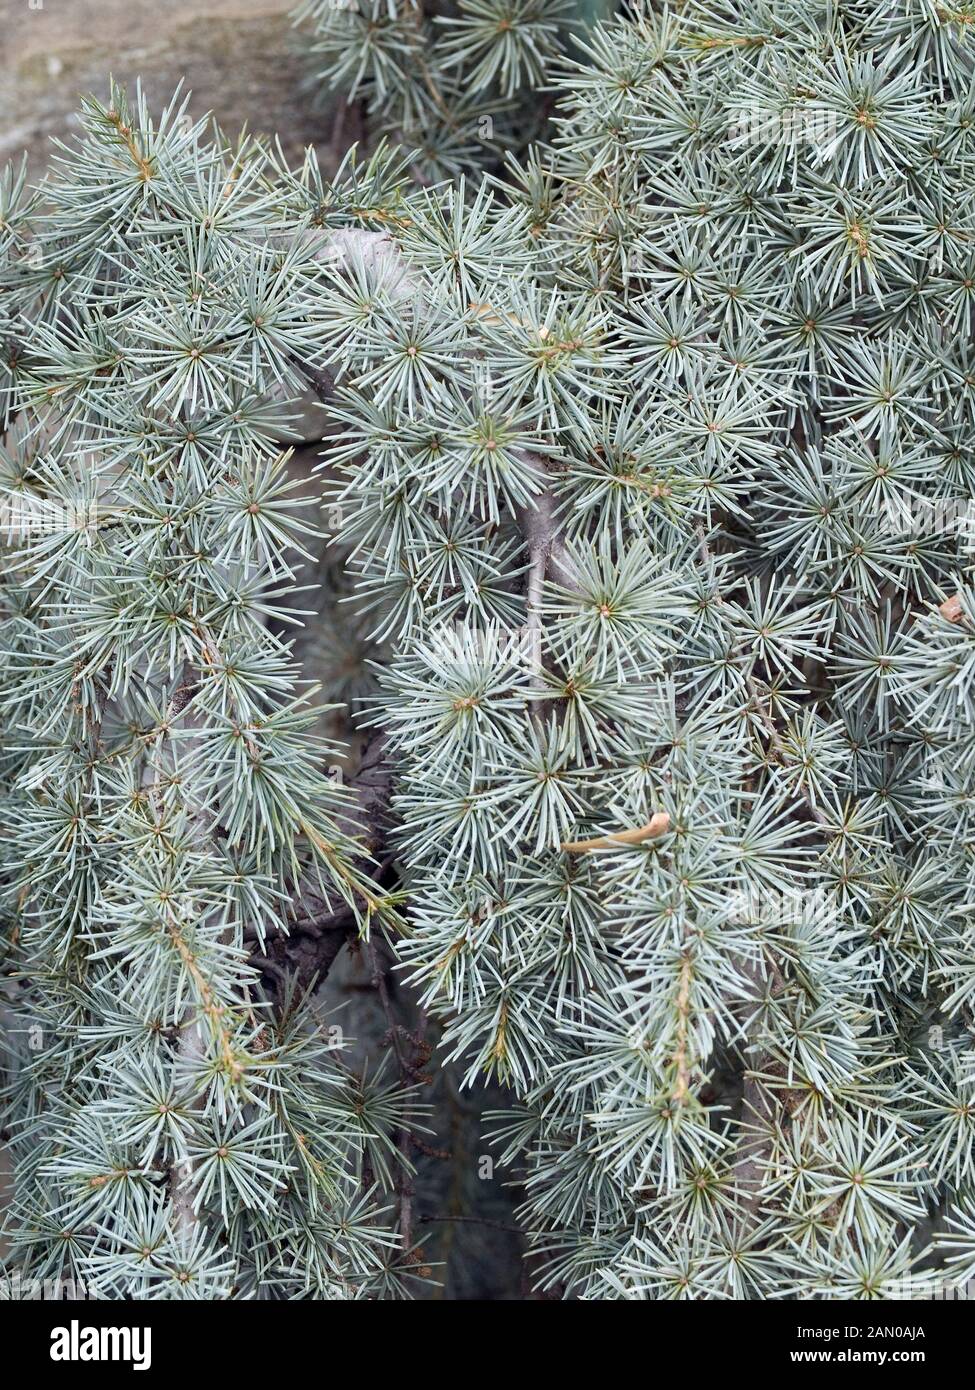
{"points": [[471, 1221], [658, 824], [952, 609], [680, 1058]]}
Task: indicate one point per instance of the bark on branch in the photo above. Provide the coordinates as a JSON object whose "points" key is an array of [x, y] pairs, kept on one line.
{"points": [[318, 930]]}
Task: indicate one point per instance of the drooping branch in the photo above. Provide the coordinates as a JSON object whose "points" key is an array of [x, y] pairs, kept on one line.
{"points": [[318, 929]]}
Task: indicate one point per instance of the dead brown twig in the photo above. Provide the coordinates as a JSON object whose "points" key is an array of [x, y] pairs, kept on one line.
{"points": [[658, 824]]}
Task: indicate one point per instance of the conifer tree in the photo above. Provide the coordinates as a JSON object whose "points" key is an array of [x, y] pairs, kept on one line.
{"points": [[648, 459], [457, 85]]}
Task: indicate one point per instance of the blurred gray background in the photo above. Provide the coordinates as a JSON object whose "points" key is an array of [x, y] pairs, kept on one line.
{"points": [[240, 58]]}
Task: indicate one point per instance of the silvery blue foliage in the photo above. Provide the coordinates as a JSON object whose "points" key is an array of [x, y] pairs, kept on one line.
{"points": [[651, 468], [456, 84], [168, 802]]}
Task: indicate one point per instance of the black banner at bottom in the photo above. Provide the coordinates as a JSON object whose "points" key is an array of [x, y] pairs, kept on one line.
{"points": [[258, 1338]]}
